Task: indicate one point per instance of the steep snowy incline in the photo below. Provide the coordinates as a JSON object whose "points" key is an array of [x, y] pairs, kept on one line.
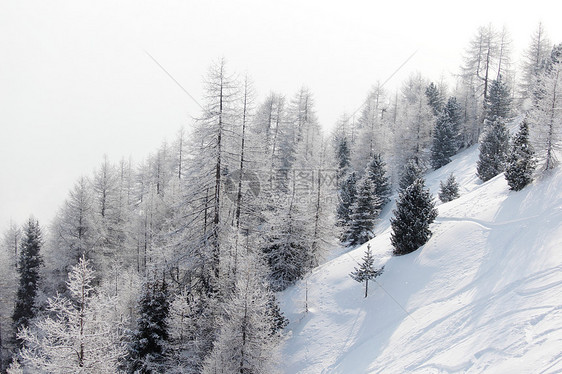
{"points": [[484, 294]]}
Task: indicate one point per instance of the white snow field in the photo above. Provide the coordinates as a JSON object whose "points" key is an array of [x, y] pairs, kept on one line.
{"points": [[483, 295]]}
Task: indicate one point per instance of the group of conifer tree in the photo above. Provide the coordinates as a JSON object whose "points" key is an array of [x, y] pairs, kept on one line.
{"points": [[173, 264]]}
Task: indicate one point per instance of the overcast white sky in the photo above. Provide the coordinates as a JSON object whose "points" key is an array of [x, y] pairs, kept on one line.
{"points": [[76, 83]]}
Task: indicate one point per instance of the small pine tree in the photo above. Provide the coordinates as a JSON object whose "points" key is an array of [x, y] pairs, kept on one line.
{"points": [[279, 321], [376, 171], [493, 150], [520, 162], [364, 214], [148, 344], [28, 268], [414, 212], [411, 172], [449, 190], [366, 270]]}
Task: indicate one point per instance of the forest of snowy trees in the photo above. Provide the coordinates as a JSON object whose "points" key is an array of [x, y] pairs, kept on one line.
{"points": [[172, 263]]}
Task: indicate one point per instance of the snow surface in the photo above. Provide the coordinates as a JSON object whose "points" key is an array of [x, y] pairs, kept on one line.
{"points": [[483, 295]]}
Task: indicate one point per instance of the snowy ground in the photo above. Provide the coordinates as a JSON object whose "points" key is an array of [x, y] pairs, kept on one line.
{"points": [[483, 295]]}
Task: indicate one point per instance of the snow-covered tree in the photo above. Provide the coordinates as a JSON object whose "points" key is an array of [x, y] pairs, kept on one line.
{"points": [[534, 63], [347, 195], [376, 172], [546, 115], [79, 335], [493, 150], [449, 190], [245, 343], [415, 211], [443, 146], [343, 158], [520, 161], [446, 134], [364, 213], [435, 98], [366, 270], [410, 173], [414, 124], [30, 261], [147, 349], [498, 102]]}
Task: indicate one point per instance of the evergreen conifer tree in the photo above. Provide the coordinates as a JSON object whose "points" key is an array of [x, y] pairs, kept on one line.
{"points": [[347, 194], [411, 172], [376, 171], [444, 144], [520, 162], [434, 99], [498, 102], [148, 346], [493, 150], [364, 213], [366, 270], [343, 158], [449, 190], [414, 212], [28, 268]]}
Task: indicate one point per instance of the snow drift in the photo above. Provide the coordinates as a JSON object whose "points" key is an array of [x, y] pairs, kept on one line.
{"points": [[484, 294]]}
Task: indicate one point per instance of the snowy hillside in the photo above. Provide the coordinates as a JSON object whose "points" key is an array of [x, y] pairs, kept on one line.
{"points": [[484, 294]]}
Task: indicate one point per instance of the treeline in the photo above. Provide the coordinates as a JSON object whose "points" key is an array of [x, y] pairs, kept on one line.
{"points": [[173, 264]]}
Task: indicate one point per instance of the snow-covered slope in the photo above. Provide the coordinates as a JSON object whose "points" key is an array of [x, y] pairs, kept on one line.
{"points": [[483, 295]]}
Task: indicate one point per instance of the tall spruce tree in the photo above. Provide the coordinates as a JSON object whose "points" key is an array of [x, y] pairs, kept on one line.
{"points": [[493, 150], [28, 269], [520, 162], [498, 102], [415, 211], [444, 145], [376, 172], [364, 213], [148, 345], [347, 195], [366, 270], [434, 98], [343, 158]]}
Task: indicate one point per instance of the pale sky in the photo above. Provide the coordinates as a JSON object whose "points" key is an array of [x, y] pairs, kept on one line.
{"points": [[76, 83]]}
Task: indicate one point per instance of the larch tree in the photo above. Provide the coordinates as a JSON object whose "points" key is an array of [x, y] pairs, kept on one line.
{"points": [[79, 334], [246, 342], [546, 115], [534, 63]]}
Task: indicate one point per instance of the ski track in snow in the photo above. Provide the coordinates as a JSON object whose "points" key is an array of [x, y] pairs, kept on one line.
{"points": [[483, 295]]}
